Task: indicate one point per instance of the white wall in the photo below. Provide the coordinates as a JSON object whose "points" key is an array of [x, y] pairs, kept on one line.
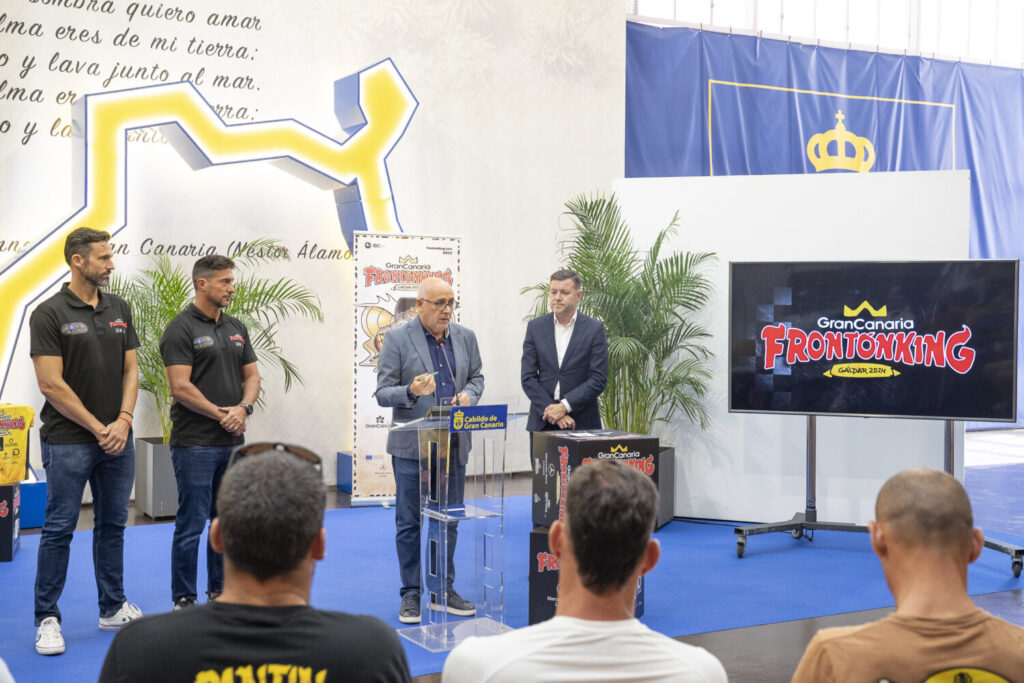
{"points": [[521, 106], [752, 467]]}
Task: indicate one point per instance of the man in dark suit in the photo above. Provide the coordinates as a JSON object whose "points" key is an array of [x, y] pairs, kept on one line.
{"points": [[425, 362], [565, 361]]}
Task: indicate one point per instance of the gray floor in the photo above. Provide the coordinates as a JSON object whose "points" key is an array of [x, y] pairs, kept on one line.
{"points": [[770, 653]]}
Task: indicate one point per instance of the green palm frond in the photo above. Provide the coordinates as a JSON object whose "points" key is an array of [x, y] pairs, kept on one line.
{"points": [[268, 300], [540, 306], [657, 357], [159, 293]]}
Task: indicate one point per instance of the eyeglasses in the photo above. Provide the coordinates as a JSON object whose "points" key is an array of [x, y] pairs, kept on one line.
{"points": [[443, 304], [267, 446]]}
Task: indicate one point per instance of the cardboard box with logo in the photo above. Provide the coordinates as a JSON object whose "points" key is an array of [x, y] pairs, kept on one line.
{"points": [[557, 454], [15, 422], [10, 521]]}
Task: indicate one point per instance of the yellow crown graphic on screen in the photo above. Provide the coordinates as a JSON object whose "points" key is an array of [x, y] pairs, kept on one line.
{"points": [[875, 312], [863, 157]]}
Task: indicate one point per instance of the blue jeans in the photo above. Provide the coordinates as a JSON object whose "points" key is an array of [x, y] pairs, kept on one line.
{"points": [[198, 471], [68, 468], [407, 521]]}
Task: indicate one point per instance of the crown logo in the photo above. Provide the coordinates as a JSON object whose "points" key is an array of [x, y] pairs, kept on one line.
{"points": [[854, 312], [408, 259], [863, 151]]}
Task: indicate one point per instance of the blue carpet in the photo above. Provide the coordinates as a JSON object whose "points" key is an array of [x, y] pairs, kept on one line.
{"points": [[700, 585], [996, 492]]}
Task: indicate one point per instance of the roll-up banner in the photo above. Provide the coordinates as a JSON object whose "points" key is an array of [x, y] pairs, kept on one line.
{"points": [[388, 271]]}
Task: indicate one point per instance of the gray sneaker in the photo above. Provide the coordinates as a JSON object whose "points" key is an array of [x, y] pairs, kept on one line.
{"points": [[457, 605], [410, 612], [126, 613]]}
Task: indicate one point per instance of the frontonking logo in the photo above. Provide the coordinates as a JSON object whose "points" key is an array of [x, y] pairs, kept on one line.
{"points": [[860, 344]]}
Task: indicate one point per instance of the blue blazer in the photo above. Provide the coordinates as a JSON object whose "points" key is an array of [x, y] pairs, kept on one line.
{"points": [[581, 376], [403, 356]]}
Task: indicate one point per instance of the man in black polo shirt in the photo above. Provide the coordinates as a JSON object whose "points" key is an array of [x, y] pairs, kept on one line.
{"points": [[211, 369], [83, 350]]}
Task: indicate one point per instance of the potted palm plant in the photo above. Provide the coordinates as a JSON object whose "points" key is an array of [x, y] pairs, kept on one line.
{"points": [[657, 358], [159, 293]]}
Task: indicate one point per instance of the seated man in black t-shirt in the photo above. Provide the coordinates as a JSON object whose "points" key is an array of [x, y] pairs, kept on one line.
{"points": [[270, 529]]}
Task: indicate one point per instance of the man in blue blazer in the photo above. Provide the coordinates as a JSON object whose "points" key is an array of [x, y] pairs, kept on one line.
{"points": [[427, 361], [565, 361]]}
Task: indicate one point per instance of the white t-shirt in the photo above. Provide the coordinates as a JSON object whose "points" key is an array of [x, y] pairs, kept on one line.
{"points": [[570, 649]]}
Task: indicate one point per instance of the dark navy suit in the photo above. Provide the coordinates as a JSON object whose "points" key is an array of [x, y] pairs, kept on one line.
{"points": [[581, 376]]}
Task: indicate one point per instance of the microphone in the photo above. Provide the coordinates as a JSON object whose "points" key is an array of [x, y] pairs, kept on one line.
{"points": [[448, 366], [454, 442]]}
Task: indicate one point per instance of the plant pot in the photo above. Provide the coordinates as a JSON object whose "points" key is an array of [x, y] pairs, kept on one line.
{"points": [[156, 491]]}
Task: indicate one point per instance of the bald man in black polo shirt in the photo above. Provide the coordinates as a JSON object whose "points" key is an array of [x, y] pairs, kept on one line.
{"points": [[83, 350], [211, 369]]}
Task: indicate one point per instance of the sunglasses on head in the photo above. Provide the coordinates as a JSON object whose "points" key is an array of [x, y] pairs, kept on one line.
{"points": [[267, 446]]}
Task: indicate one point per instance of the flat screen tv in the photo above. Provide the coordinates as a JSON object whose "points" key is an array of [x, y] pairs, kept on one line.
{"points": [[932, 339]]}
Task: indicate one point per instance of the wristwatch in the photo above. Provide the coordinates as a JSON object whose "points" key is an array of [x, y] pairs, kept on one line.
{"points": [[248, 408]]}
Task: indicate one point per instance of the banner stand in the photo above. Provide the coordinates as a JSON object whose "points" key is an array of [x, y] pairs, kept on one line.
{"points": [[388, 269]]}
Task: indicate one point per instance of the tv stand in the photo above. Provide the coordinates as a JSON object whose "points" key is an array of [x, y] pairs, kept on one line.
{"points": [[804, 524]]}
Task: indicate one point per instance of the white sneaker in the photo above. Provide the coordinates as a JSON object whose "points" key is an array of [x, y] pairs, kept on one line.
{"points": [[49, 641], [127, 613]]}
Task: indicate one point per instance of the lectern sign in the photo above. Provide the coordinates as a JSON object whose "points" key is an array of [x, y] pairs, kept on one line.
{"points": [[478, 418], [913, 339]]}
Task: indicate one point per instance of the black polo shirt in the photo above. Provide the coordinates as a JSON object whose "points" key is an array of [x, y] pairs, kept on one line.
{"points": [[92, 343], [216, 350]]}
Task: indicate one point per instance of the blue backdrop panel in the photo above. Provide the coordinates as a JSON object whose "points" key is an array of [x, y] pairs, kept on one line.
{"points": [[704, 103]]}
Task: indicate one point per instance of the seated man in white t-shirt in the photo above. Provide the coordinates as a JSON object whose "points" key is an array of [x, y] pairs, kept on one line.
{"points": [[603, 546]]}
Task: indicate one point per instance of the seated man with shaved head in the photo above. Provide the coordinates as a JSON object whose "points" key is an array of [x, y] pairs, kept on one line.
{"points": [[924, 537]]}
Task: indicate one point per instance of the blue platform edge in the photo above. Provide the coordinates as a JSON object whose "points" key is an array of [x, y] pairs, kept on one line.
{"points": [[33, 500], [345, 471]]}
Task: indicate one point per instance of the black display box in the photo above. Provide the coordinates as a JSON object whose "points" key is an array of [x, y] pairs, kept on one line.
{"points": [[10, 521], [544, 580], [665, 467], [557, 454]]}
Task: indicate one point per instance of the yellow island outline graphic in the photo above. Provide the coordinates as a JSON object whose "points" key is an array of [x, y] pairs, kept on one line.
{"points": [[374, 107]]}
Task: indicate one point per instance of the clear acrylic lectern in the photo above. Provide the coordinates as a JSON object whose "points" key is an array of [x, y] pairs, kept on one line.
{"points": [[480, 520]]}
